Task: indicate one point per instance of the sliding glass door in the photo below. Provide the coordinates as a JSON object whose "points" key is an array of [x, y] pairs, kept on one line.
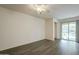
{"points": [[69, 31], [65, 31], [72, 31]]}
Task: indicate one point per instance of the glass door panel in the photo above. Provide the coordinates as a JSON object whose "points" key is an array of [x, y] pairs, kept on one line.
{"points": [[72, 31], [65, 31]]}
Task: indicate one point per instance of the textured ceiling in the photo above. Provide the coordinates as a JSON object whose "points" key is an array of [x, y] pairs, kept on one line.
{"points": [[59, 11]]}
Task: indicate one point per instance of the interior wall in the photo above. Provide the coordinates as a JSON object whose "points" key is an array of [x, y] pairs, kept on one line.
{"points": [[49, 29], [17, 29], [54, 33], [58, 30], [55, 30]]}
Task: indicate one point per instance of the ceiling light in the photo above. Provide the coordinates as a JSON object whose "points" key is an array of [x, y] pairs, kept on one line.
{"points": [[39, 7]]}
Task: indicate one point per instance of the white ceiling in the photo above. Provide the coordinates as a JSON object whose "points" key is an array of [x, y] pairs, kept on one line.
{"points": [[59, 11]]}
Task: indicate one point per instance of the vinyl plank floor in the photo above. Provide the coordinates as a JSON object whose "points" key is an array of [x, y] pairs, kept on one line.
{"points": [[45, 47]]}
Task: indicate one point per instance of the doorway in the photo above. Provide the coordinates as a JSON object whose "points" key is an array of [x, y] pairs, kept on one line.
{"points": [[69, 31]]}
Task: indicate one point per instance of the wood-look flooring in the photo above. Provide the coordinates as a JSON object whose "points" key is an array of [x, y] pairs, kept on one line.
{"points": [[45, 47]]}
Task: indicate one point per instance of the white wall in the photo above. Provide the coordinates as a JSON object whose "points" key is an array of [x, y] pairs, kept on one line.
{"points": [[58, 30], [17, 29], [54, 30], [49, 29], [70, 19]]}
